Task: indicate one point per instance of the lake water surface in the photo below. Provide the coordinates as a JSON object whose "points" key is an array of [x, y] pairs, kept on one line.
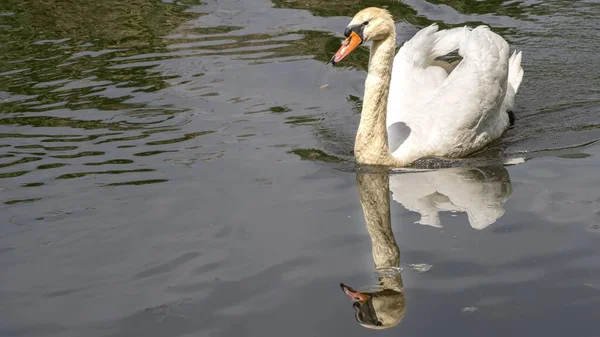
{"points": [[184, 168]]}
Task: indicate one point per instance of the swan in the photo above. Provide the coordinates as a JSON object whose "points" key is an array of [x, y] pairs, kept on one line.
{"points": [[381, 306], [479, 192], [436, 108]]}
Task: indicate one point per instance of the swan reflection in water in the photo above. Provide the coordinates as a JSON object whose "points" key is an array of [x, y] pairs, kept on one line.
{"points": [[480, 192]]}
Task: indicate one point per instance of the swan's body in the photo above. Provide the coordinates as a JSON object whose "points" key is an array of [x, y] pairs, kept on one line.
{"points": [[453, 112], [416, 105]]}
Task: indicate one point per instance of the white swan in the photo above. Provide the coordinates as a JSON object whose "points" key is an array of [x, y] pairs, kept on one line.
{"points": [[434, 108]]}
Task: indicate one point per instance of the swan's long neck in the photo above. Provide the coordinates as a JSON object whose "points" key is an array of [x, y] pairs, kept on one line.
{"points": [[374, 194], [371, 145]]}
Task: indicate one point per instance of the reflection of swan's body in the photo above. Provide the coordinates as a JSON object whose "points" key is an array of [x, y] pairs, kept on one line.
{"points": [[435, 108], [379, 307], [480, 192]]}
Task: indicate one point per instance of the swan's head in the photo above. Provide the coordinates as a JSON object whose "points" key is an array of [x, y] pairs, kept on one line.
{"points": [[370, 24], [378, 309]]}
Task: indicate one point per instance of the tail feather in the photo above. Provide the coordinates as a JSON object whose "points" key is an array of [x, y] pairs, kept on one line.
{"points": [[515, 76], [515, 71]]}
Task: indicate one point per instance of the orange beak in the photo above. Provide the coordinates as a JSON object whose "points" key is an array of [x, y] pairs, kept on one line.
{"points": [[348, 45], [355, 295]]}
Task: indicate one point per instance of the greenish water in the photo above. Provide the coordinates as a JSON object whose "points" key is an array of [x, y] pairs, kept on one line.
{"points": [[184, 168]]}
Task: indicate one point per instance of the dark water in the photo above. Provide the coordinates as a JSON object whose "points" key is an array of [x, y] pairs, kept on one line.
{"points": [[184, 169]]}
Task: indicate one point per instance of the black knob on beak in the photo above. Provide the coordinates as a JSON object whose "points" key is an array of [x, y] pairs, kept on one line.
{"points": [[347, 31]]}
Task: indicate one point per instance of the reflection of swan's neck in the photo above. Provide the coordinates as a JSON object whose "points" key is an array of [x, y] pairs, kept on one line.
{"points": [[371, 145], [374, 194]]}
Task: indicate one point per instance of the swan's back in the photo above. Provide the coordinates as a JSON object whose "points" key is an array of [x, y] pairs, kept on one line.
{"points": [[436, 108]]}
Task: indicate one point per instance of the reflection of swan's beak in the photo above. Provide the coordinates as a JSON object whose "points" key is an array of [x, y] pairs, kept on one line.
{"points": [[355, 295], [348, 45]]}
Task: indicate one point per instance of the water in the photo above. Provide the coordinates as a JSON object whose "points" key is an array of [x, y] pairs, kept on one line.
{"points": [[185, 169]]}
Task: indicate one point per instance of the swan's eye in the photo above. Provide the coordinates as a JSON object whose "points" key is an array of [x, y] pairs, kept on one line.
{"points": [[365, 23]]}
